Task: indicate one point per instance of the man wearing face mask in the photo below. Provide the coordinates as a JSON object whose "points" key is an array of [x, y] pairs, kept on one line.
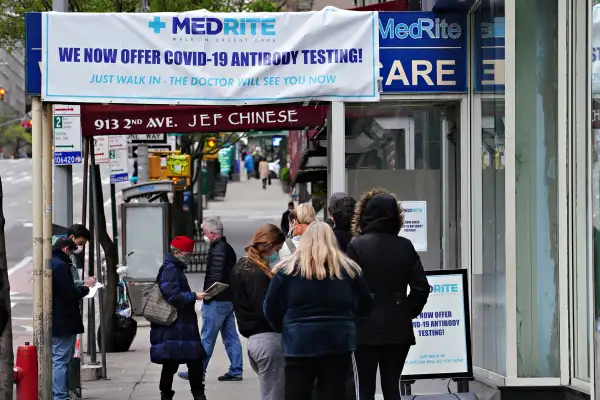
{"points": [[217, 313], [66, 318], [80, 235]]}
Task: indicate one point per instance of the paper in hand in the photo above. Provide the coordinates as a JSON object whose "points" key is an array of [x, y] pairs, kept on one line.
{"points": [[214, 290], [93, 290]]}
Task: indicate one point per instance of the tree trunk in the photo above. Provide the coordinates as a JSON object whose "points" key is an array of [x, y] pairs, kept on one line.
{"points": [[111, 278], [6, 345]]}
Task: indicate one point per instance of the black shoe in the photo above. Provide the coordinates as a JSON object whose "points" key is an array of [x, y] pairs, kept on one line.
{"points": [[230, 378], [198, 395], [167, 395]]}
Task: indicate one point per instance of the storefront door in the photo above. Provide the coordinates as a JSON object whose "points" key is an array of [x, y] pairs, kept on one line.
{"points": [[411, 149]]}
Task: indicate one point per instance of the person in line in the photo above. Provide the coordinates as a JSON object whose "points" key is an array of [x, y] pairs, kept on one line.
{"points": [[250, 281], [180, 342], [313, 299], [285, 217], [341, 209], [263, 170], [66, 318], [249, 165], [217, 312], [80, 235], [305, 215], [293, 221], [390, 266]]}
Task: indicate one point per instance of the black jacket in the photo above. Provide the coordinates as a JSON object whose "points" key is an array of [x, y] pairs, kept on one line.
{"points": [[316, 317], [249, 285], [66, 318], [221, 259], [343, 236], [390, 265], [285, 221]]}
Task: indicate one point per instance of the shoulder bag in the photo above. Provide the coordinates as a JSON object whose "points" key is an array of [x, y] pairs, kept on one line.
{"points": [[155, 308]]}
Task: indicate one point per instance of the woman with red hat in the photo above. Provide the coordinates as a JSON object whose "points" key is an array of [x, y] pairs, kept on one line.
{"points": [[180, 342]]}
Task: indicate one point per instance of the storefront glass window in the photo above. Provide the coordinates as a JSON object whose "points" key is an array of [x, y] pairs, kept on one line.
{"points": [[489, 269], [536, 188]]}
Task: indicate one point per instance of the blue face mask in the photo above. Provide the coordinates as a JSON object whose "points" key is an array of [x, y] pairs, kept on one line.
{"points": [[273, 259]]}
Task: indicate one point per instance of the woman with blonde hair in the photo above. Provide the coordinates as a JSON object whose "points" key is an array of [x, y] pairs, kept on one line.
{"points": [[313, 299], [305, 215], [250, 279]]}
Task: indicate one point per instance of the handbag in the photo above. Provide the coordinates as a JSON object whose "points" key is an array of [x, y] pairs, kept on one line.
{"points": [[155, 308]]}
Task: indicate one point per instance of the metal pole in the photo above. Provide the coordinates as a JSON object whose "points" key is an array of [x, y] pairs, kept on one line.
{"points": [[142, 158], [46, 366], [38, 266], [91, 328], [115, 228], [99, 271]]}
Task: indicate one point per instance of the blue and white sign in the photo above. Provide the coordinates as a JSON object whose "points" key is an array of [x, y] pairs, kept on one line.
{"points": [[489, 60], [422, 52], [118, 166], [66, 124], [199, 57], [33, 54], [443, 344]]}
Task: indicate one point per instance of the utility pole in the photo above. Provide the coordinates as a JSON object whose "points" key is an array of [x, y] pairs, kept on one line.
{"points": [[38, 264]]}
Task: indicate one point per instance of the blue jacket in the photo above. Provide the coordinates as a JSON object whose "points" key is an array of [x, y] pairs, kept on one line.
{"points": [[66, 317], [249, 163], [179, 342], [316, 317]]}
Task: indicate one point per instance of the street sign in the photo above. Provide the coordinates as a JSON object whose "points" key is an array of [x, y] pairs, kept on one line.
{"points": [[66, 125], [153, 147], [117, 142], [119, 170], [101, 149], [148, 138]]}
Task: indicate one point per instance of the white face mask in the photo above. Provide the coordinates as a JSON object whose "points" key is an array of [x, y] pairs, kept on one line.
{"points": [[78, 250], [206, 239]]}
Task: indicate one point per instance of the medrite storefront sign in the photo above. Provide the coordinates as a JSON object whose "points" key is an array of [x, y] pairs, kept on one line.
{"points": [[200, 57]]}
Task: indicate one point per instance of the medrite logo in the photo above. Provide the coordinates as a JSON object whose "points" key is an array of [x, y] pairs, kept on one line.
{"points": [[211, 26]]}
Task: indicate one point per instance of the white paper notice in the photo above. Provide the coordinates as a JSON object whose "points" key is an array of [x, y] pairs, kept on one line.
{"points": [[415, 223], [94, 290]]}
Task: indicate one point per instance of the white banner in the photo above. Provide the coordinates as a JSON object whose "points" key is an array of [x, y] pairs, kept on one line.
{"points": [[200, 57], [440, 331], [415, 223]]}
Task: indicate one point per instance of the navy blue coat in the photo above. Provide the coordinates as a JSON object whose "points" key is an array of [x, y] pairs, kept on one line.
{"points": [[179, 342], [66, 317], [316, 317]]}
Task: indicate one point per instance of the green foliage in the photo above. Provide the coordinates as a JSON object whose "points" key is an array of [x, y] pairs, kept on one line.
{"points": [[12, 25], [284, 175], [13, 136]]}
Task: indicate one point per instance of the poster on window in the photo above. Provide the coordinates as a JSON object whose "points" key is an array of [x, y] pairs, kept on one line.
{"points": [[415, 223], [442, 333]]}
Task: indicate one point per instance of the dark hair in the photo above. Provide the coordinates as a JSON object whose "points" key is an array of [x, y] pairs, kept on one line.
{"points": [[291, 204], [342, 211], [329, 222], [63, 242], [293, 216], [78, 231]]}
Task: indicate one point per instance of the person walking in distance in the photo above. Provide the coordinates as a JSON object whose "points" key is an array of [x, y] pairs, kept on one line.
{"points": [[180, 342], [390, 266], [250, 281], [263, 170], [217, 313], [66, 318], [313, 299]]}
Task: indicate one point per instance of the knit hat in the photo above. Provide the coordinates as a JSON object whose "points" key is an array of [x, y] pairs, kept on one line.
{"points": [[183, 243]]}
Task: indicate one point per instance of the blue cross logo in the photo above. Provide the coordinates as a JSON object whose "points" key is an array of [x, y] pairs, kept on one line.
{"points": [[156, 25]]}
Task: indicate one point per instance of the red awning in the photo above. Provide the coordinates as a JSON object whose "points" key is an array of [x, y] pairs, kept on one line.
{"points": [[398, 5], [113, 119]]}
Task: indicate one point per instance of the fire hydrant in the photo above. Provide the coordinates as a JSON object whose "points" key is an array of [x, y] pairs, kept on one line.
{"points": [[26, 372]]}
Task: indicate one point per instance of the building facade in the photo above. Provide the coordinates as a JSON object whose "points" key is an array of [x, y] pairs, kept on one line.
{"points": [[12, 79], [485, 117]]}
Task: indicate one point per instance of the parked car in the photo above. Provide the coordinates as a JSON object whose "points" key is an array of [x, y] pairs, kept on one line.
{"points": [[274, 168]]}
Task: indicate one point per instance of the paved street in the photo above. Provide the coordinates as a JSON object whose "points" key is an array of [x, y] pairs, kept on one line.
{"points": [[18, 193]]}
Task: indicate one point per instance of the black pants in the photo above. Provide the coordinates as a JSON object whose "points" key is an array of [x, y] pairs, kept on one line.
{"points": [[264, 181], [169, 369], [390, 360], [329, 371]]}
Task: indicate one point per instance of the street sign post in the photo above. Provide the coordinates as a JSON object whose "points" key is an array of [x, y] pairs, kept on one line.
{"points": [[118, 165], [101, 149], [66, 124], [148, 138]]}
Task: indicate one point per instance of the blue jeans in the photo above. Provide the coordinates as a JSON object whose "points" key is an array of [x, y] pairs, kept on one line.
{"points": [[63, 348], [217, 316]]}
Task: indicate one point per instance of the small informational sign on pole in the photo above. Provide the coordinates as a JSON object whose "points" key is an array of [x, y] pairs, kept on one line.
{"points": [[444, 319], [101, 149], [117, 151], [415, 223], [66, 124]]}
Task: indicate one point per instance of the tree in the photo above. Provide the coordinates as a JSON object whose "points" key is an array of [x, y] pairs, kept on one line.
{"points": [[6, 344], [14, 137], [12, 22]]}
